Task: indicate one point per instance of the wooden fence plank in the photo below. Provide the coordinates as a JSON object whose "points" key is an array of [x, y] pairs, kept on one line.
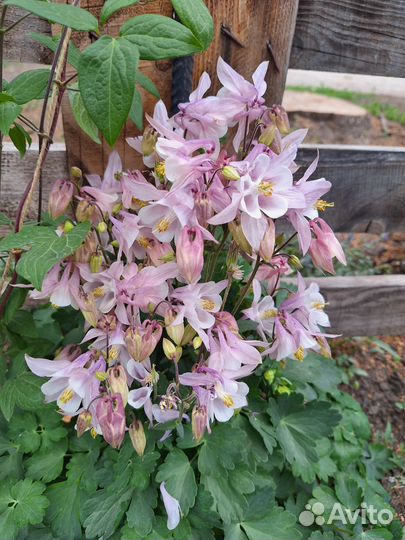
{"points": [[19, 45], [368, 185], [365, 305], [18, 172], [350, 36]]}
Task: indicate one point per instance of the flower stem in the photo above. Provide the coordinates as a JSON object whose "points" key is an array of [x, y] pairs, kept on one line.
{"points": [[247, 286]]}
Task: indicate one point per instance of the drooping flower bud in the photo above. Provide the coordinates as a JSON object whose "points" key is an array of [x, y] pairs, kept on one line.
{"points": [[189, 333], [268, 242], [137, 435], [111, 417], [175, 332], [280, 117], [197, 342], [102, 227], [87, 306], [86, 250], [267, 135], [270, 375], [239, 237], [96, 260], [295, 262], [199, 419], [171, 351], [203, 208], [148, 141], [85, 211], [117, 378], [60, 197], [76, 173], [68, 226], [190, 254], [230, 173], [141, 340], [83, 422]]}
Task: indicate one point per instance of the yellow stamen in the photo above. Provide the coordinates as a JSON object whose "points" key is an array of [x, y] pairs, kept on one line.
{"points": [[269, 314], [67, 396], [266, 188], [160, 169], [322, 205], [139, 202], [228, 400], [113, 354], [143, 242], [163, 225], [93, 433], [319, 305], [299, 354], [208, 305], [99, 292]]}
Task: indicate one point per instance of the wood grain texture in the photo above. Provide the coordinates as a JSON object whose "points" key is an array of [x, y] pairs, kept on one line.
{"points": [[82, 151], [254, 23], [365, 305], [18, 172], [350, 36], [18, 45], [368, 185]]}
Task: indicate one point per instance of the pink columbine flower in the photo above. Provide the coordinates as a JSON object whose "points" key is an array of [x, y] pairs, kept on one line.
{"points": [[190, 254], [325, 246], [60, 197], [111, 418], [141, 339], [200, 301], [61, 286]]}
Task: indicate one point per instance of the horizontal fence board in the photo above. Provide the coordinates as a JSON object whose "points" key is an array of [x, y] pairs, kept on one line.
{"points": [[350, 36], [365, 305], [19, 45], [368, 185], [16, 173]]}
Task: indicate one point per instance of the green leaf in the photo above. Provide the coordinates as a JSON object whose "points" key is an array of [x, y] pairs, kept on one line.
{"points": [[223, 449], [47, 464], [7, 400], [66, 501], [47, 249], [21, 504], [107, 83], [140, 514], [112, 6], [262, 425], [147, 84], [4, 220], [71, 16], [53, 43], [229, 502], [9, 110], [136, 112], [82, 117], [298, 427], [6, 97], [104, 511], [348, 491], [179, 479], [23, 391], [18, 136], [23, 432], [277, 525], [29, 85], [195, 15], [159, 38]]}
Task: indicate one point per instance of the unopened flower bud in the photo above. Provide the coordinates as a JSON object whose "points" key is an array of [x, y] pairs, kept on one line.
{"points": [[111, 417], [280, 117], [295, 262], [83, 422], [189, 333], [230, 173], [148, 141], [270, 375], [197, 342], [101, 376], [141, 340], [239, 237], [117, 209], [87, 306], [267, 135], [171, 351], [118, 382], [268, 242], [86, 250], [115, 243], [76, 173], [175, 332], [190, 254], [199, 419], [102, 227], [85, 211], [137, 436], [60, 197], [96, 260], [68, 226]]}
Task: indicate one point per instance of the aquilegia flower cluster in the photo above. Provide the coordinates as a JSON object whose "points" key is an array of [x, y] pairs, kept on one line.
{"points": [[161, 302]]}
